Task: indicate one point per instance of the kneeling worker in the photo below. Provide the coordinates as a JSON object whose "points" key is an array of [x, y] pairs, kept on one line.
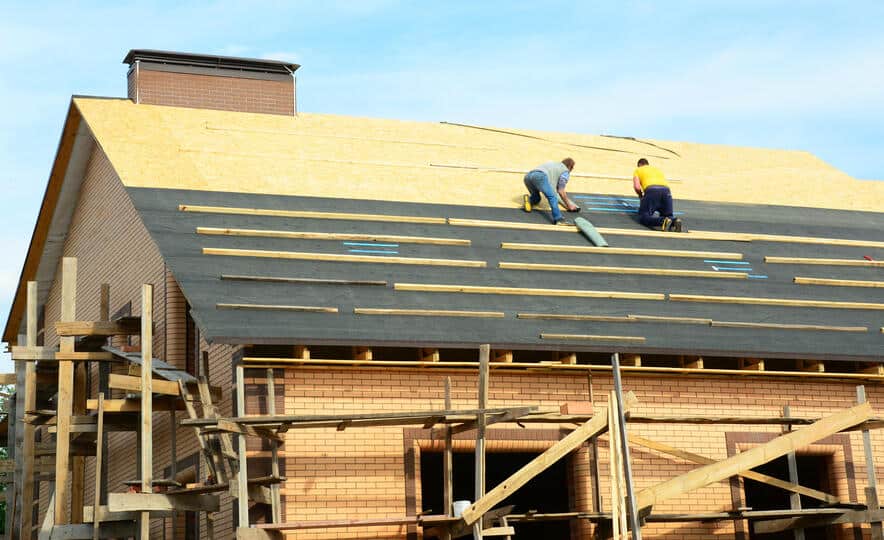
{"points": [[550, 179], [655, 209]]}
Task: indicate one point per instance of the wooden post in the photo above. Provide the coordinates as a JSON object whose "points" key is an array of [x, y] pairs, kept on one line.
{"points": [[96, 499], [872, 489], [78, 463], [65, 392], [30, 404], [484, 358], [594, 459], [274, 450], [146, 401], [448, 461], [242, 473], [624, 446], [794, 498]]}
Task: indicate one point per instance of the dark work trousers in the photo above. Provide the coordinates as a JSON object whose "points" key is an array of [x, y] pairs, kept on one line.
{"points": [[656, 199]]}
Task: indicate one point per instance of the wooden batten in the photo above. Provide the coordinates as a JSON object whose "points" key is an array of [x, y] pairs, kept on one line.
{"points": [[569, 358], [301, 351], [872, 369]]}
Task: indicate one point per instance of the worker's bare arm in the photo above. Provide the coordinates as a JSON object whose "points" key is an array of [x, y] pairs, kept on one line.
{"points": [[569, 204], [637, 185]]}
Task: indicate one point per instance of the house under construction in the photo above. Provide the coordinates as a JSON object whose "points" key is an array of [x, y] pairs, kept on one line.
{"points": [[237, 320]]}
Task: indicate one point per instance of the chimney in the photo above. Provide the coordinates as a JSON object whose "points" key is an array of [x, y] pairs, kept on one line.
{"points": [[211, 82]]}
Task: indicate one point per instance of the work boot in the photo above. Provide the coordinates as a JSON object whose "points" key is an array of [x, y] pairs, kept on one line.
{"points": [[666, 224], [678, 225], [526, 203], [563, 221]]}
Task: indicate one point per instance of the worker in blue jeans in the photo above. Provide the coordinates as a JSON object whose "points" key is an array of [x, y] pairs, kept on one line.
{"points": [[655, 208], [550, 178]]}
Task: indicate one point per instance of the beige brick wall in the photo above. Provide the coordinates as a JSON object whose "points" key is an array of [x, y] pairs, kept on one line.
{"points": [[211, 92], [362, 473], [112, 246]]}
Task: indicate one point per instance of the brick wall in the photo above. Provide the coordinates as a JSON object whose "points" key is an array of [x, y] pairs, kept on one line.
{"points": [[112, 246], [211, 91], [364, 472]]}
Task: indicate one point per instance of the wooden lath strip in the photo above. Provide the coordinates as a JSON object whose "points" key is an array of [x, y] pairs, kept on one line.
{"points": [[308, 214], [827, 262], [592, 337], [622, 251], [777, 326], [279, 307], [671, 319], [428, 312], [526, 291], [304, 235], [574, 317], [303, 281], [335, 257], [787, 302], [838, 282], [692, 235], [622, 270]]}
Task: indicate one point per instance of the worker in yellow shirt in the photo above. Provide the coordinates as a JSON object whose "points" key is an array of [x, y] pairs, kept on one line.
{"points": [[655, 209]]}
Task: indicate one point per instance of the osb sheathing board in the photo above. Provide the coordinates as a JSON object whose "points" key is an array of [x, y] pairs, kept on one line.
{"points": [[372, 159]]}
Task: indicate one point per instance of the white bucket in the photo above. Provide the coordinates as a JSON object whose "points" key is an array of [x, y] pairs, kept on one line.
{"points": [[460, 506]]}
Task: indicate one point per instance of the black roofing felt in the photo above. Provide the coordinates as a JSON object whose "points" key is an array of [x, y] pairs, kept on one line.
{"points": [[199, 277]]}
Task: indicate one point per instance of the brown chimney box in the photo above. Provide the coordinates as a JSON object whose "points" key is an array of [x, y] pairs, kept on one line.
{"points": [[206, 81]]}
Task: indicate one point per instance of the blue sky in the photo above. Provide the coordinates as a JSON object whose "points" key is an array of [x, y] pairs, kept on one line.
{"points": [[800, 75]]}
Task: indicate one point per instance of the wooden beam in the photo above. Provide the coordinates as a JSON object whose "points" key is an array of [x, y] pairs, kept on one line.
{"points": [[96, 500], [812, 365], [242, 478], [134, 405], [768, 526], [632, 360], [778, 326], [526, 291], [838, 282], [591, 337], [623, 251], [565, 357], [574, 440], [484, 358], [279, 307], [65, 393], [123, 327], [157, 502], [245, 429], [752, 364], [133, 384], [821, 261], [428, 355], [78, 462], [629, 270], [303, 235], [788, 302], [307, 214], [752, 458], [276, 509], [304, 281], [30, 403], [362, 353], [505, 356], [752, 475], [691, 362], [448, 462], [341, 257], [146, 404], [429, 313]]}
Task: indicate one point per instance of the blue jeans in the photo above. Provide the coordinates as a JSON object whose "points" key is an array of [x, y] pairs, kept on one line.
{"points": [[537, 183], [656, 199]]}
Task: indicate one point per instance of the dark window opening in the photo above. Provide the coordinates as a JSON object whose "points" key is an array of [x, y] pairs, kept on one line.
{"points": [[813, 472], [545, 493]]}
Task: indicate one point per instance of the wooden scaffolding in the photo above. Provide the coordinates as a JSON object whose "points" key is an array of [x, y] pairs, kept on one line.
{"points": [[80, 426]]}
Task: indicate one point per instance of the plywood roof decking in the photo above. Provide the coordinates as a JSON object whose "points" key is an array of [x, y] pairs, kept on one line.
{"points": [[374, 159], [404, 315]]}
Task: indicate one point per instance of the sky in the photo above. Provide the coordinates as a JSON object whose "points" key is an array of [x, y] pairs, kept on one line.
{"points": [[805, 75]]}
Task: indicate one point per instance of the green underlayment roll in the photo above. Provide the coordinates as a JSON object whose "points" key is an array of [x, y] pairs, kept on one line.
{"points": [[589, 231]]}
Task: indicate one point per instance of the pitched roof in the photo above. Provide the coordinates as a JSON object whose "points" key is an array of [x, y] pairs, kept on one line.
{"points": [[371, 159], [307, 173]]}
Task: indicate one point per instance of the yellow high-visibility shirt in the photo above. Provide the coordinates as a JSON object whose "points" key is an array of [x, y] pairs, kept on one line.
{"points": [[649, 175]]}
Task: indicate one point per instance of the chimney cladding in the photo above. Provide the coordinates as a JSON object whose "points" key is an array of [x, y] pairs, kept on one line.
{"points": [[205, 81]]}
